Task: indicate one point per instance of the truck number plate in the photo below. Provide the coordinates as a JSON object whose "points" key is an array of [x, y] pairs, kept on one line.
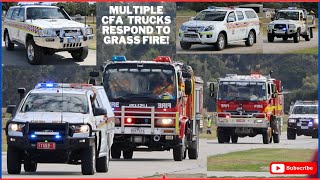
{"points": [[191, 39], [137, 131], [304, 127], [46, 145], [73, 40]]}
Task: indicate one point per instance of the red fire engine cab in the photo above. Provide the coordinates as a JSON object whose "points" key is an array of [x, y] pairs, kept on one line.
{"points": [[155, 104], [248, 105]]}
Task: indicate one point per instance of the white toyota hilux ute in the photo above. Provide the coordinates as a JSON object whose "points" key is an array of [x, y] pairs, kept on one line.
{"points": [[60, 123], [45, 30], [293, 23], [219, 26]]}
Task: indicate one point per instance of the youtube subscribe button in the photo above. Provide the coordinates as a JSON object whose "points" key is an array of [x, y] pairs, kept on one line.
{"points": [[293, 168]]}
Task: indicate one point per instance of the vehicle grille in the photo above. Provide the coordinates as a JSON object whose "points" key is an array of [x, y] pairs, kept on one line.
{"points": [[71, 45], [191, 36], [280, 26], [194, 29], [245, 112]]}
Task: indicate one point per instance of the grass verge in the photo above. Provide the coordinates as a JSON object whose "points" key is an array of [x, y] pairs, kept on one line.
{"points": [[313, 50], [256, 160]]}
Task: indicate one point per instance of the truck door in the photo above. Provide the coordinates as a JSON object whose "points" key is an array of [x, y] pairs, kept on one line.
{"points": [[20, 20], [13, 31], [302, 22], [105, 124], [242, 28], [231, 26]]}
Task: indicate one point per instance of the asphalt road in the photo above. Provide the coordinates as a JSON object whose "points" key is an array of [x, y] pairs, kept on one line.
{"points": [[279, 46], [302, 142], [232, 48], [143, 164], [18, 57]]}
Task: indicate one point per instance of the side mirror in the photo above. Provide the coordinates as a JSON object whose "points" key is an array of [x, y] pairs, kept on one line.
{"points": [[191, 19], [100, 111], [10, 109], [92, 81], [102, 68], [231, 19], [94, 74], [21, 19], [22, 91], [188, 86], [272, 19]]}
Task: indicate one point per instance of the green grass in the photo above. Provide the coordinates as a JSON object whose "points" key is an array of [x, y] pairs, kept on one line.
{"points": [[188, 13], [204, 134], [256, 160], [313, 50]]}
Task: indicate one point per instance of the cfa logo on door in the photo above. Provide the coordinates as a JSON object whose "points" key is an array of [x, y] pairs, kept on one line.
{"points": [[278, 168]]}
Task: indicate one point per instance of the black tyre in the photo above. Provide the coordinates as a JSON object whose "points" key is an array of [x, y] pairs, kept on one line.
{"points": [[270, 37], [193, 150], [251, 39], [315, 134], [179, 151], [185, 45], [115, 151], [127, 154], [220, 135], [13, 160], [285, 38], [34, 53], [265, 136], [227, 138], [296, 37], [221, 42], [291, 134], [88, 160], [307, 37], [234, 139], [80, 54], [30, 166], [102, 164], [9, 45], [276, 137]]}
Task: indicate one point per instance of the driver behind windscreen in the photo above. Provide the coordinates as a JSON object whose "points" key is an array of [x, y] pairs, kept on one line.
{"points": [[164, 86]]}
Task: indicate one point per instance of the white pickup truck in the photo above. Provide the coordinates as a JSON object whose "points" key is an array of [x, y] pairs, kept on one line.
{"points": [[293, 23], [219, 26], [45, 30]]}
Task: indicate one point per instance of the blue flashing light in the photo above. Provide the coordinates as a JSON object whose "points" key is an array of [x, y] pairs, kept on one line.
{"points": [[119, 58], [47, 85], [33, 136], [284, 29], [310, 123], [57, 136]]}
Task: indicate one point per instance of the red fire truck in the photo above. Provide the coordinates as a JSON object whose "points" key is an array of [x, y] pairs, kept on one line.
{"points": [[149, 118], [248, 105]]}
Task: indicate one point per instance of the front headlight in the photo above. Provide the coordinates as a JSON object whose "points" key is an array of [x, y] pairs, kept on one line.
{"points": [[183, 28], [209, 28], [165, 122], [47, 33], [292, 120], [15, 127], [82, 130], [292, 26]]}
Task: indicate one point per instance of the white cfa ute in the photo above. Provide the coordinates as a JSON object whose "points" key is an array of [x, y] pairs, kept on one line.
{"points": [[219, 26], [45, 30], [60, 123], [293, 23]]}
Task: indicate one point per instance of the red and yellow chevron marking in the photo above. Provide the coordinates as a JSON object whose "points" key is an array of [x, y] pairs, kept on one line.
{"points": [[26, 27], [241, 24]]}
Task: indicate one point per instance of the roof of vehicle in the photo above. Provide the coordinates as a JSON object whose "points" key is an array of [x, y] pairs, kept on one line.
{"points": [[306, 103], [63, 88], [253, 77], [34, 5], [227, 9]]}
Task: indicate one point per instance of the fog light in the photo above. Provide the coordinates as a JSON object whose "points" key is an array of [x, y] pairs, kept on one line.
{"points": [[169, 137]]}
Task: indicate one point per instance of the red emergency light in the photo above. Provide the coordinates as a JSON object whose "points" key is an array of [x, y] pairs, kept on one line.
{"points": [[163, 59], [129, 120], [261, 115]]}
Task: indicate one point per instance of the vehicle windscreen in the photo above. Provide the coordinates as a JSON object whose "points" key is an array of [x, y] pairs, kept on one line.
{"points": [[56, 102], [211, 16], [291, 15], [305, 110], [45, 13], [143, 84], [242, 91]]}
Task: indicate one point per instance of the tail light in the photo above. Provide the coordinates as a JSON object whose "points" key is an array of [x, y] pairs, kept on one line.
{"points": [[224, 115], [129, 120], [260, 115]]}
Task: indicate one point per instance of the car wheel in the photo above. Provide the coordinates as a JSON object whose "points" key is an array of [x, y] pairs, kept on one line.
{"points": [[234, 139], [251, 39], [270, 37], [13, 160], [307, 37], [291, 134], [315, 134], [88, 160], [296, 37], [103, 163], [9, 45], [179, 151], [127, 154], [265, 136], [185, 45], [30, 166], [276, 137], [220, 135], [221, 42], [80, 54], [34, 53], [115, 151]]}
